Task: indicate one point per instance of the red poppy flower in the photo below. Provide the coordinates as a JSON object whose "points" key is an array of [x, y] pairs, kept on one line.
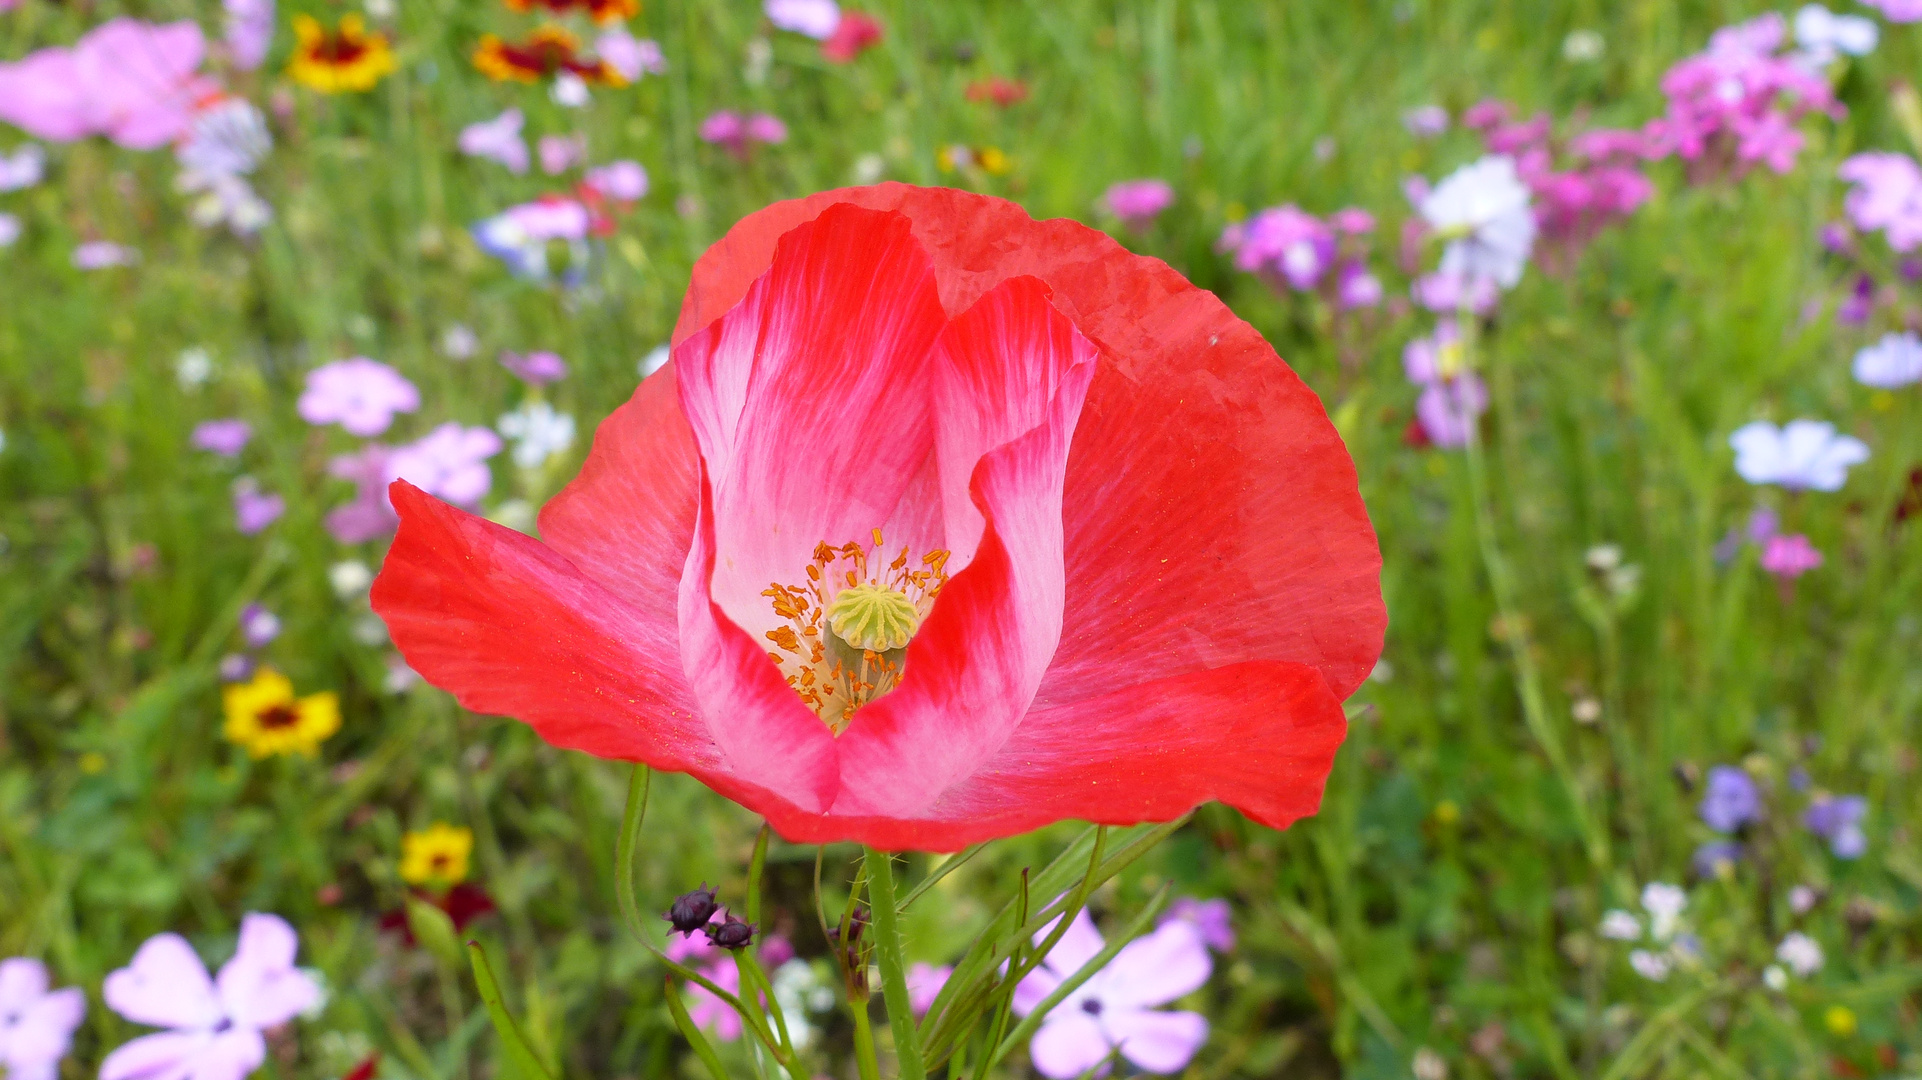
{"points": [[943, 524]]}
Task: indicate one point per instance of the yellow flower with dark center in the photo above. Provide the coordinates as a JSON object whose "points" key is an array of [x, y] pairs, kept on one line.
{"points": [[345, 59], [436, 856], [265, 717]]}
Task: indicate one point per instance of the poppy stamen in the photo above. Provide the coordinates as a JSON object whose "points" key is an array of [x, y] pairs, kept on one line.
{"points": [[849, 626]]}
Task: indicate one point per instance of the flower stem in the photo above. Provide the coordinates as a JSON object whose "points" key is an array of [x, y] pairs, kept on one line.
{"points": [[887, 949], [864, 1058]]}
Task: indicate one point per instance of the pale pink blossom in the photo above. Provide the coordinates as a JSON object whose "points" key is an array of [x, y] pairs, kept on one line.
{"points": [[36, 1024], [359, 394], [559, 153], [224, 437], [1117, 1007], [449, 462], [255, 509], [249, 31], [1138, 202], [214, 1025], [632, 57], [621, 181], [499, 140], [131, 81]]}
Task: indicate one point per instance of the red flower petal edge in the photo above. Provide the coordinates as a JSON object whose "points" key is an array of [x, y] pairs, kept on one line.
{"points": [[1146, 578]]}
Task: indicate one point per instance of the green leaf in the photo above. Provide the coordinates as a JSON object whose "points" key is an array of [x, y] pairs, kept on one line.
{"points": [[513, 1044], [434, 930], [699, 1042]]}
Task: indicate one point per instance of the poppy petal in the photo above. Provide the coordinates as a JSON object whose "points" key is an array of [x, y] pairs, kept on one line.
{"points": [[511, 628], [1009, 376], [627, 520]]}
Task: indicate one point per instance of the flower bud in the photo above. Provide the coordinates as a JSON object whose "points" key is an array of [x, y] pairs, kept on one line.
{"points": [[691, 911], [733, 934]]}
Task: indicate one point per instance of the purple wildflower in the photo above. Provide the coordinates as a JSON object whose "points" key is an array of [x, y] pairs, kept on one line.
{"points": [[1789, 557], [1116, 1008], [236, 667], [369, 515], [258, 626], [1212, 919], [1838, 819], [224, 437], [254, 509], [1730, 799]]}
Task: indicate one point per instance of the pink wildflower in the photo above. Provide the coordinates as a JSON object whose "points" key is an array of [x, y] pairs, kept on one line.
{"points": [[817, 19], [1212, 919], [369, 514], [1282, 242], [535, 368], [1138, 202], [924, 984], [36, 1025], [1426, 122], [450, 462], [249, 31], [255, 509], [1898, 11], [1887, 196], [737, 133], [359, 394], [1790, 556], [498, 139], [621, 181], [560, 153], [132, 81], [103, 254], [224, 437], [632, 57], [215, 1024], [1736, 104]]}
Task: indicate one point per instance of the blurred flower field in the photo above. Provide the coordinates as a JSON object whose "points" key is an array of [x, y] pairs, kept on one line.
{"points": [[1615, 307]]}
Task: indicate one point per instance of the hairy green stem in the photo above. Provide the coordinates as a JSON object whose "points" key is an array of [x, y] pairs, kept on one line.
{"points": [[887, 949]]}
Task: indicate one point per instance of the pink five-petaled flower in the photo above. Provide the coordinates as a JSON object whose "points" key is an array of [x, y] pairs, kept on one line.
{"points": [[35, 1024], [359, 394], [132, 81], [1138, 202], [498, 139], [738, 133], [887, 368], [214, 1024], [1117, 1007], [1790, 556]]}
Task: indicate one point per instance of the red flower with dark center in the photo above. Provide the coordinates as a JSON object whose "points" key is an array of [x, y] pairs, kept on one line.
{"points": [[547, 52], [463, 904], [601, 11], [943, 524]]}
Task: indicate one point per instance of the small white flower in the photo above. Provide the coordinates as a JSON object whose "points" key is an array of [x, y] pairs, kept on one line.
{"points": [[1800, 952], [1775, 978], [459, 342], [1583, 46], [868, 169], [1428, 1065], [1823, 32], [1482, 211], [369, 630], [569, 91], [1664, 904], [10, 229], [400, 678], [538, 433], [1619, 925], [1802, 898], [23, 168], [1802, 454], [1893, 361], [1651, 966], [349, 578], [193, 367]]}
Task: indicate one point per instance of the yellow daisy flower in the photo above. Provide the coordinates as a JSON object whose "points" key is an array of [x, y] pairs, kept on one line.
{"points": [[266, 718], [436, 856], [340, 60]]}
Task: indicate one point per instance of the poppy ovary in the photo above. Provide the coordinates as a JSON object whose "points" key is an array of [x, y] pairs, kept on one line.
{"points": [[733, 934], [691, 911]]}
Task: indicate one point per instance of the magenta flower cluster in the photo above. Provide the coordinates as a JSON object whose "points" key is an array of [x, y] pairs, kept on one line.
{"points": [[1293, 249], [1737, 103]]}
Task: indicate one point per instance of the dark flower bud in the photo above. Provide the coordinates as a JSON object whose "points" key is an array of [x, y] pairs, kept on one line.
{"points": [[731, 934], [692, 911]]}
